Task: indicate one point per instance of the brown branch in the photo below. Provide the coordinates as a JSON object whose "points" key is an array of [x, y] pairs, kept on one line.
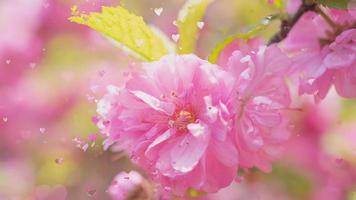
{"points": [[287, 25]]}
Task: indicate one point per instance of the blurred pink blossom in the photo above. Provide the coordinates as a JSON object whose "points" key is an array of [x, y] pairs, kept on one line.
{"points": [[248, 191], [126, 185], [27, 110], [26, 15], [27, 26], [332, 178], [15, 171], [19, 43], [30, 108], [349, 140]]}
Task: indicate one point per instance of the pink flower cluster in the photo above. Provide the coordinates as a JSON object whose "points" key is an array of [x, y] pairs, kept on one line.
{"points": [[192, 124], [324, 53]]}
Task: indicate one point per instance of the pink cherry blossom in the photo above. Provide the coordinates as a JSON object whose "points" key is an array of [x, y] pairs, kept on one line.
{"points": [[173, 119], [126, 185], [327, 56], [262, 101]]}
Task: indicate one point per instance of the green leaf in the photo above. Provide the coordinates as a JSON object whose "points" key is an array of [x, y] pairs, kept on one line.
{"points": [[213, 58], [214, 55], [129, 30], [189, 17], [292, 180], [340, 4]]}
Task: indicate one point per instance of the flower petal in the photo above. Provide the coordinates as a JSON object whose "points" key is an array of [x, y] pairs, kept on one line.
{"points": [[155, 103], [187, 152]]}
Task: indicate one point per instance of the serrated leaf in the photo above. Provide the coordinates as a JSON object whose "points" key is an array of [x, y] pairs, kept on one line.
{"points": [[125, 28], [340, 4], [189, 16]]}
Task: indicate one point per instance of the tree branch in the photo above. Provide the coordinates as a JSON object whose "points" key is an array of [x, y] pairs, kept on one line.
{"points": [[287, 25]]}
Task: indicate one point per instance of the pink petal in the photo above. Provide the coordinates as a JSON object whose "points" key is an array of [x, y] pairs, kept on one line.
{"points": [[187, 151], [225, 152], [163, 137], [339, 59], [155, 103], [345, 84]]}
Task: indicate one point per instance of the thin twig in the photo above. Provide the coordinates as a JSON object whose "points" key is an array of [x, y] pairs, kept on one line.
{"points": [[287, 25], [326, 17]]}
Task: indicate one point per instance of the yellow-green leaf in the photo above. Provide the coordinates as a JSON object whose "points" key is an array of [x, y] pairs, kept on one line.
{"points": [[188, 24], [213, 58], [129, 30], [214, 55]]}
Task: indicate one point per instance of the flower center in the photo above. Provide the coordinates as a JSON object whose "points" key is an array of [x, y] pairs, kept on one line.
{"points": [[182, 119]]}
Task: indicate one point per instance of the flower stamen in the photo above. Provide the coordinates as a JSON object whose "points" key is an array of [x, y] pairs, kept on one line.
{"points": [[182, 119]]}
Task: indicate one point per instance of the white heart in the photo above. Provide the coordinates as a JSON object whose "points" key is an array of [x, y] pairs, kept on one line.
{"points": [[158, 11], [139, 42], [42, 130], [200, 25], [32, 65], [175, 37], [85, 147], [4, 119], [94, 88], [175, 23]]}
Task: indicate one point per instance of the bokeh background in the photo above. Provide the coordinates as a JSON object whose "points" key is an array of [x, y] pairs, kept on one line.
{"points": [[52, 72]]}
